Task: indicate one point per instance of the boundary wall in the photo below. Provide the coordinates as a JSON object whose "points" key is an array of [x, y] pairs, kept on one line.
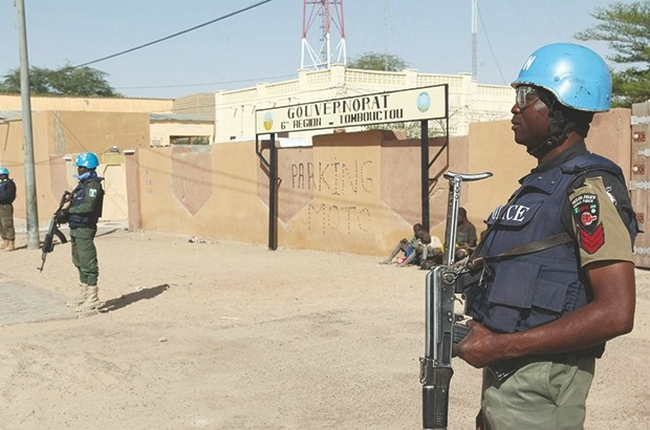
{"points": [[350, 192]]}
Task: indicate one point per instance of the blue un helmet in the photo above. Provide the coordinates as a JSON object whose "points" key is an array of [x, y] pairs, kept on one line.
{"points": [[87, 160], [575, 75], [4, 171]]}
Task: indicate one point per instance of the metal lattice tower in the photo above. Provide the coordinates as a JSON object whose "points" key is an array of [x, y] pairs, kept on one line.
{"points": [[328, 15]]}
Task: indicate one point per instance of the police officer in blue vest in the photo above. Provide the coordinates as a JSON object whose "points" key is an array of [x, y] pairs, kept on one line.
{"points": [[542, 316], [82, 214]]}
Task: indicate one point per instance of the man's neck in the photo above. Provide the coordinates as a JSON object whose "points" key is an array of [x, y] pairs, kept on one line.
{"points": [[571, 140]]}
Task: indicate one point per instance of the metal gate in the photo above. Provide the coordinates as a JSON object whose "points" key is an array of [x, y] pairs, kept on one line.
{"points": [[640, 181]]}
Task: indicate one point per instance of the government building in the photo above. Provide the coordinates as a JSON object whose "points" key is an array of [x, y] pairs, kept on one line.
{"points": [[468, 101]]}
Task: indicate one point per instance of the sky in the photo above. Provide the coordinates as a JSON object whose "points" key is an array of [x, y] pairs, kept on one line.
{"points": [[264, 43]]}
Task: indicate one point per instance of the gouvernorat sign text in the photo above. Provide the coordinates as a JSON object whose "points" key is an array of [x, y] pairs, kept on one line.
{"points": [[414, 104]]}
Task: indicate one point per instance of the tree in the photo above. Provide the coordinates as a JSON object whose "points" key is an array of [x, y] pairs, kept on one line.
{"points": [[376, 61], [66, 81], [412, 129], [626, 29], [386, 63]]}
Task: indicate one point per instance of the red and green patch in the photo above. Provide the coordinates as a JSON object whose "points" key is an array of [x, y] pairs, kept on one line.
{"points": [[586, 213]]}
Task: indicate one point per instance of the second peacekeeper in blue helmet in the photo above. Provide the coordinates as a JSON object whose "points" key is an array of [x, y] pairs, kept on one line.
{"points": [[7, 197], [542, 318], [82, 214]]}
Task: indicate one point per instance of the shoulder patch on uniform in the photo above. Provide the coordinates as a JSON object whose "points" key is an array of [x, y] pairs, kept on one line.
{"points": [[586, 213], [608, 190], [92, 192]]}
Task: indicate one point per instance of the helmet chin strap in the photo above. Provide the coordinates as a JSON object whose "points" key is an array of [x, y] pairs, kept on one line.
{"points": [[559, 128]]}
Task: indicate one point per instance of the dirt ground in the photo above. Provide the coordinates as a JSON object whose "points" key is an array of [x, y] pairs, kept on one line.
{"points": [[225, 335]]}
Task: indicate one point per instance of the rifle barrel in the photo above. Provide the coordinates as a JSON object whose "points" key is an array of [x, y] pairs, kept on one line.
{"points": [[435, 366]]}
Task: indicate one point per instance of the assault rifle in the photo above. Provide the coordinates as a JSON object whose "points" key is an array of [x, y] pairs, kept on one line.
{"points": [[53, 230], [442, 327]]}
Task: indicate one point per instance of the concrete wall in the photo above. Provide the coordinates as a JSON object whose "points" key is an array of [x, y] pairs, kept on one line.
{"points": [[344, 204], [330, 195], [72, 132], [200, 105], [349, 192], [49, 167], [62, 127], [352, 192], [57, 137], [87, 104], [208, 193]]}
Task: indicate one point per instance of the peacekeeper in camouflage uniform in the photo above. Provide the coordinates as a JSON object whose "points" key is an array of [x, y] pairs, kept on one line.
{"points": [[81, 214], [7, 197], [548, 313]]}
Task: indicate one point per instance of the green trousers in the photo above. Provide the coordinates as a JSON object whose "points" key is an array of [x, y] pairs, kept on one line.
{"points": [[7, 230], [84, 254], [540, 395]]}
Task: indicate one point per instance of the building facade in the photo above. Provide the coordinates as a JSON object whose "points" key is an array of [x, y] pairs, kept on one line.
{"points": [[468, 101]]}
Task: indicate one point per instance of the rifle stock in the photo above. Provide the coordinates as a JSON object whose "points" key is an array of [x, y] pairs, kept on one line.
{"points": [[441, 330], [52, 231]]}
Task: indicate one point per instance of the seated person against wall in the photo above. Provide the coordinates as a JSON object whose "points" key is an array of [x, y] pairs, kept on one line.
{"points": [[466, 242], [410, 248], [420, 251], [434, 254], [465, 235]]}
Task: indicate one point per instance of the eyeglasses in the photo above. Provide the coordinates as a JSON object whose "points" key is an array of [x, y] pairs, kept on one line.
{"points": [[526, 96]]}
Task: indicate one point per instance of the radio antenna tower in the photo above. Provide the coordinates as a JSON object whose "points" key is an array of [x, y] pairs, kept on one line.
{"points": [[328, 14]]}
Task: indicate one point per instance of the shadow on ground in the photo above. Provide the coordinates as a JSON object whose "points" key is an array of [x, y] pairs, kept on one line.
{"points": [[136, 296]]}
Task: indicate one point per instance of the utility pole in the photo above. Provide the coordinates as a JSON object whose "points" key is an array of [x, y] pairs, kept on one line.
{"points": [[474, 32], [31, 209]]}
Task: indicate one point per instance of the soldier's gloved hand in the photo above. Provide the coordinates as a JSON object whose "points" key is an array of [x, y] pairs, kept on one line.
{"points": [[61, 216]]}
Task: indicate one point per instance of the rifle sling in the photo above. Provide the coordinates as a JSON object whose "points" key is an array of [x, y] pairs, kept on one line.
{"points": [[538, 245]]}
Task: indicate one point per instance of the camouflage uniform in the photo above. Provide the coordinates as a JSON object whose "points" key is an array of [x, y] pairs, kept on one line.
{"points": [[84, 211], [7, 197]]}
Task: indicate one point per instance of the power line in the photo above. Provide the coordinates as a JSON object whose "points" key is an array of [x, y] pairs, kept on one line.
{"points": [[174, 35], [487, 37]]}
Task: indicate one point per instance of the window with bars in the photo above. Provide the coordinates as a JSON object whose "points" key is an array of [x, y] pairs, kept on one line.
{"points": [[189, 140]]}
